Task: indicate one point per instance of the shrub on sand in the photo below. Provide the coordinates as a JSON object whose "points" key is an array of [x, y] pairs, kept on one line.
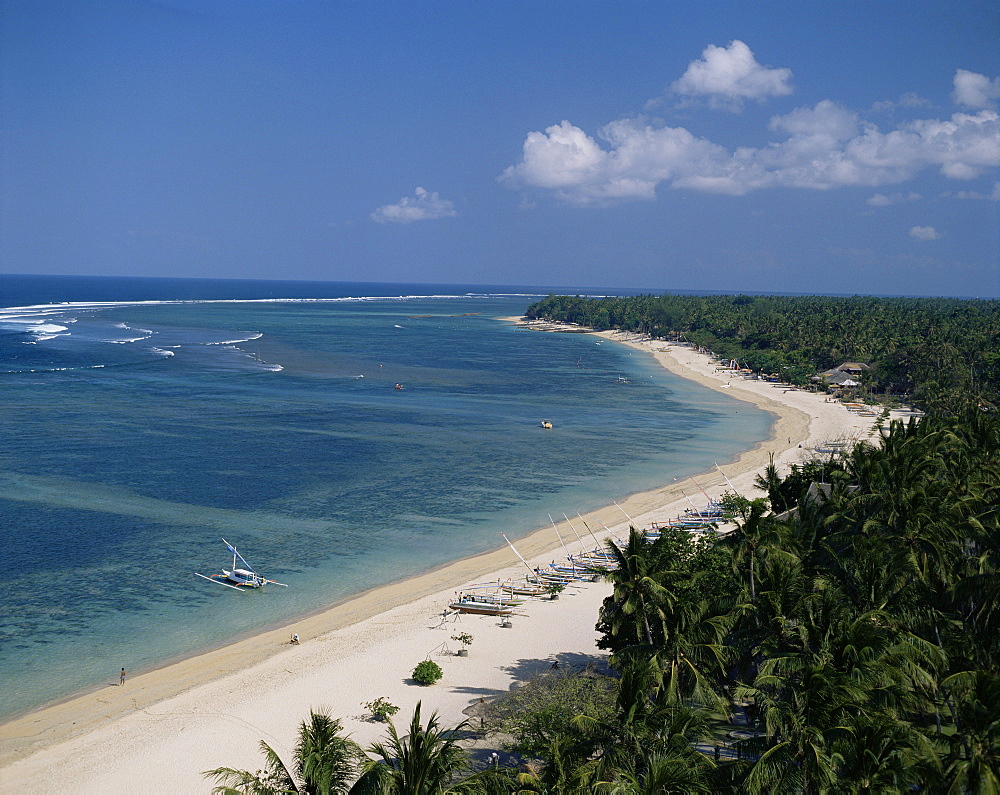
{"points": [[427, 672]]}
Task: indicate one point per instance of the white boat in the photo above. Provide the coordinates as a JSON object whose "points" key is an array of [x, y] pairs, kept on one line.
{"points": [[239, 577], [472, 604], [497, 596], [523, 589]]}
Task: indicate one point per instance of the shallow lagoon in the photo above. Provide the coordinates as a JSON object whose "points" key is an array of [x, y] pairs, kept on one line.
{"points": [[143, 434]]}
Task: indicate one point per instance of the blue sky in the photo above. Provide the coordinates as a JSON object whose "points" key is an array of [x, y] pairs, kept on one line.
{"points": [[822, 147]]}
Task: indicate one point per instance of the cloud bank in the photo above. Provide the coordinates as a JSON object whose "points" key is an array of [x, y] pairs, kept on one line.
{"points": [[819, 148], [422, 206]]}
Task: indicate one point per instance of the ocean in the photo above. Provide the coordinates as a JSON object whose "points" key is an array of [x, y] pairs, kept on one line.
{"points": [[144, 420]]}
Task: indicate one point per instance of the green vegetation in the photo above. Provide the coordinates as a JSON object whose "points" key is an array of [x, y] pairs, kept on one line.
{"points": [[932, 350], [547, 707], [381, 708], [858, 634], [427, 672], [425, 761], [324, 762]]}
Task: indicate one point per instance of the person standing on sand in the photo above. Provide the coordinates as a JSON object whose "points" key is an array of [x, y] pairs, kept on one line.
{"points": [[123, 678]]}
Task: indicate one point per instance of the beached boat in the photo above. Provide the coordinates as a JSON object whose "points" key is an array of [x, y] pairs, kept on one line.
{"points": [[544, 577], [498, 597], [473, 604], [523, 589], [239, 578], [575, 571]]}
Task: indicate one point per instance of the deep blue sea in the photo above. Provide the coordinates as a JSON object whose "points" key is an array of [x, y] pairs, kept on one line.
{"points": [[143, 420]]}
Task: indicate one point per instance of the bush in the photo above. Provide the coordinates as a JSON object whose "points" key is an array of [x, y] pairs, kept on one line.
{"points": [[427, 672], [546, 707], [381, 708]]}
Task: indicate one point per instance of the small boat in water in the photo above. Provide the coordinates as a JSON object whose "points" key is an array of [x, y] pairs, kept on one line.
{"points": [[547, 424], [238, 578]]}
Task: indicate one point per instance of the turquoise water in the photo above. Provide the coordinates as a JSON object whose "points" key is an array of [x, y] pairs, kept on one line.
{"points": [[135, 436]]}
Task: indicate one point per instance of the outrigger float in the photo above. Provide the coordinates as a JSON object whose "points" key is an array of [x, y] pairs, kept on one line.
{"points": [[239, 578]]}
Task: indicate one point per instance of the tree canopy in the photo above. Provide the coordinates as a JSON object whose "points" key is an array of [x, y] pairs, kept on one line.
{"points": [[929, 349]]}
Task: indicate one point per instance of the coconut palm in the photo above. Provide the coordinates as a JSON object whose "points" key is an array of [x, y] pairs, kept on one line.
{"points": [[565, 769], [324, 762], [878, 754], [421, 763], [648, 742], [973, 764], [754, 531], [660, 773], [639, 596], [804, 701]]}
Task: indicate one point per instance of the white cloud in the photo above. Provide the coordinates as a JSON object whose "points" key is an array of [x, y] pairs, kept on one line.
{"points": [[730, 75], [423, 206], [881, 200], [820, 147], [924, 233], [569, 162], [975, 90]]}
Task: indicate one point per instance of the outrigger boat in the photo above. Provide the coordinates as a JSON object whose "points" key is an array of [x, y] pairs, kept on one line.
{"points": [[472, 604], [238, 578], [497, 596], [523, 589]]}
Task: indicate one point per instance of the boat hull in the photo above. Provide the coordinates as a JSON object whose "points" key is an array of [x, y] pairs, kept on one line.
{"points": [[482, 608]]}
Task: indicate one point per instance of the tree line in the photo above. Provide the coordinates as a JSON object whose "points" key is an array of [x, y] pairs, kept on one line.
{"points": [[932, 350], [855, 630], [843, 638]]}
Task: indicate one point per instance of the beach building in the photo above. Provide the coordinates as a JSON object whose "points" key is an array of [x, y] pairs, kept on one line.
{"points": [[847, 374]]}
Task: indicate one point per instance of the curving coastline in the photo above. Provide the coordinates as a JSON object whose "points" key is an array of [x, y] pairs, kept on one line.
{"points": [[166, 726]]}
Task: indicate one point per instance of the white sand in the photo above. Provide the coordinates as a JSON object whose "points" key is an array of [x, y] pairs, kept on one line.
{"points": [[160, 730]]}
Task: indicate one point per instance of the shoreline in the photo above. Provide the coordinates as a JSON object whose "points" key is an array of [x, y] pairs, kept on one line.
{"points": [[103, 740]]}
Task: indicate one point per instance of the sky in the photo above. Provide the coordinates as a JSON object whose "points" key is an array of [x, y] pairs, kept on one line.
{"points": [[830, 147]]}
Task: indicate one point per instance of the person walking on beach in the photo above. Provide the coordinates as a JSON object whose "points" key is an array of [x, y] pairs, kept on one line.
{"points": [[123, 678]]}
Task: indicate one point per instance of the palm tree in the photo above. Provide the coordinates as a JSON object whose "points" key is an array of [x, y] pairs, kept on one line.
{"points": [[648, 746], [804, 701], [638, 594], [750, 535], [422, 763], [565, 769], [882, 755], [972, 763], [661, 773], [324, 762]]}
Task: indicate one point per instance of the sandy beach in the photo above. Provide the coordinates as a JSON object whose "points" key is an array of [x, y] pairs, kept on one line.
{"points": [[160, 730]]}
